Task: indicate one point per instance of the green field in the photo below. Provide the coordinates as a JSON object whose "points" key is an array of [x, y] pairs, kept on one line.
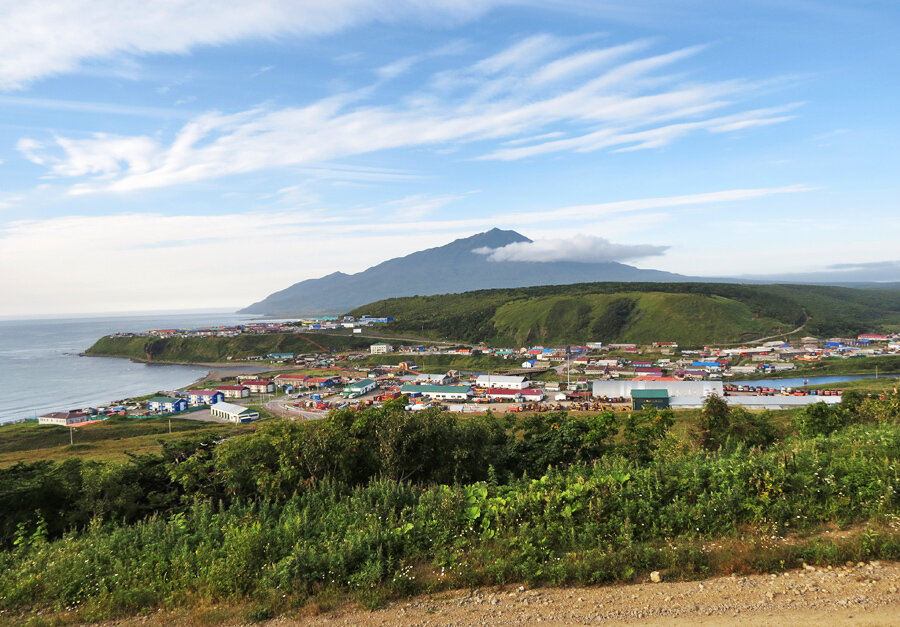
{"points": [[691, 314]]}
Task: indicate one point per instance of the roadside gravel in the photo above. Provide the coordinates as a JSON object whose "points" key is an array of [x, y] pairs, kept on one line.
{"points": [[855, 594]]}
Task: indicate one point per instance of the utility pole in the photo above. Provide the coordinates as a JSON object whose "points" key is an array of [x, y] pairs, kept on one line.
{"points": [[71, 440], [170, 425]]}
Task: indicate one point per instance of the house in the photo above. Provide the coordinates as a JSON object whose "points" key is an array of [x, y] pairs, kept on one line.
{"points": [[64, 418], [166, 404], [498, 381], [234, 391], [359, 388], [233, 413], [260, 386], [204, 397], [380, 348], [320, 382], [443, 392]]}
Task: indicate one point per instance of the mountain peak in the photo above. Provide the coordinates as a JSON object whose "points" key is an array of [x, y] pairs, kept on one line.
{"points": [[495, 238]]}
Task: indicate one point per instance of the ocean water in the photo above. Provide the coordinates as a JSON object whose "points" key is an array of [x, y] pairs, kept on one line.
{"points": [[41, 370]]}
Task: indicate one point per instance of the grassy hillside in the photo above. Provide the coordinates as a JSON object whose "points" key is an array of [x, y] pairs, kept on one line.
{"points": [[108, 441], [688, 313], [211, 349]]}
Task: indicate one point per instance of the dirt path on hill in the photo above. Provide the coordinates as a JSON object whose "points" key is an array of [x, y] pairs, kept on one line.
{"points": [[857, 595]]}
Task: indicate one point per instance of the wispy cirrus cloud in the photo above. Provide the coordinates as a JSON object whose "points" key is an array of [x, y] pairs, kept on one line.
{"points": [[50, 37], [498, 107]]}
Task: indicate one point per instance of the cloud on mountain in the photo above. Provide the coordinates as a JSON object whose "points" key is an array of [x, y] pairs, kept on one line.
{"points": [[581, 248]]}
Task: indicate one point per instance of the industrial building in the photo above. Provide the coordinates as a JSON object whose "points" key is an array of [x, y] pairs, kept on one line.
{"points": [[233, 413], [623, 389], [499, 381], [441, 392]]}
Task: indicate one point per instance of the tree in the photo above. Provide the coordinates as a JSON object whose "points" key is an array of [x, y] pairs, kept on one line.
{"points": [[644, 430]]}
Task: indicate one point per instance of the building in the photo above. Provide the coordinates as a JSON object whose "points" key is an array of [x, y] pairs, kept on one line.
{"points": [[296, 380], [623, 389], [64, 418], [281, 356], [166, 404], [233, 413], [441, 392], [380, 348], [359, 388], [658, 399], [499, 381], [234, 391], [504, 394], [204, 397], [433, 379], [320, 382], [260, 386]]}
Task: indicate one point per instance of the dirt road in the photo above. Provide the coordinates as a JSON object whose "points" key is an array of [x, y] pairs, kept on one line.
{"points": [[852, 595]]}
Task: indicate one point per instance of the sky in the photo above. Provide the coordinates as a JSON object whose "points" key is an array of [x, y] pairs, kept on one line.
{"points": [[187, 155]]}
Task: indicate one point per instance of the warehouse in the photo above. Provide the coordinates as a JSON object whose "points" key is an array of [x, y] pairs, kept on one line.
{"points": [[623, 389], [233, 413], [442, 392], [359, 388], [498, 381]]}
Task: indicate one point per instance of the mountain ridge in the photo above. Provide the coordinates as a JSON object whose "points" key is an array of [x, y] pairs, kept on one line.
{"points": [[451, 268]]}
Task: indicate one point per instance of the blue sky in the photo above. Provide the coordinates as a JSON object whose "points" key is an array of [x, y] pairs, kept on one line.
{"points": [[194, 155]]}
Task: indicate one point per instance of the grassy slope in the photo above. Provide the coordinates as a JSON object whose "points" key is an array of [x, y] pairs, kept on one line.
{"points": [[689, 313], [30, 442]]}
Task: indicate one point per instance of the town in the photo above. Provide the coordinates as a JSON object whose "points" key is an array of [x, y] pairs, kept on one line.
{"points": [[589, 377]]}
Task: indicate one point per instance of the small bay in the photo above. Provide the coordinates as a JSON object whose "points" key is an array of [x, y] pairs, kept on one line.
{"points": [[41, 369]]}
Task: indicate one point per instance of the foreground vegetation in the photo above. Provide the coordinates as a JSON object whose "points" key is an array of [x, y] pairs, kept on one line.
{"points": [[687, 313], [383, 503]]}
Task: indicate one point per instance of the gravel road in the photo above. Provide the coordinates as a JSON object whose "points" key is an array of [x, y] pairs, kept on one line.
{"points": [[857, 594]]}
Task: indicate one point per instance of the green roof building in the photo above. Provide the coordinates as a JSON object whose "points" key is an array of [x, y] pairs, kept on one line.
{"points": [[655, 398]]}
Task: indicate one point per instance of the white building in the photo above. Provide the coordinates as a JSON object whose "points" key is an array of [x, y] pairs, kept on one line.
{"points": [[63, 418], [435, 379], [233, 413], [498, 381], [380, 348], [623, 389]]}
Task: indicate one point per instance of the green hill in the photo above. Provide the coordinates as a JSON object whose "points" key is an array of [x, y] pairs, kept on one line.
{"points": [[688, 313], [213, 349]]}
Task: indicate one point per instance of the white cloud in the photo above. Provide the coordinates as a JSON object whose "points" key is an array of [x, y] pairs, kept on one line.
{"points": [[123, 262], [54, 36], [635, 104], [581, 248]]}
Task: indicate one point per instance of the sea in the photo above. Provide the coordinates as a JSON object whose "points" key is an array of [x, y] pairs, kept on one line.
{"points": [[41, 368]]}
